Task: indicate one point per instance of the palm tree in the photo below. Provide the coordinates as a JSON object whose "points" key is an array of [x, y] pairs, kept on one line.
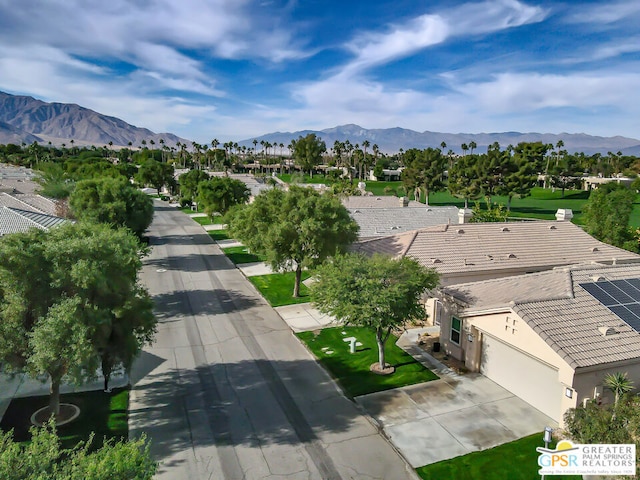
{"points": [[365, 144], [619, 383], [443, 146], [464, 148], [472, 146]]}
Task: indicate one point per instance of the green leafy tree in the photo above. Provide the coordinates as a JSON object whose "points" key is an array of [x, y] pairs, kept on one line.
{"points": [[156, 174], [293, 229], [62, 293], [43, 458], [54, 180], [219, 194], [517, 175], [464, 179], [606, 215], [424, 169], [113, 201], [307, 152], [376, 292], [189, 183]]}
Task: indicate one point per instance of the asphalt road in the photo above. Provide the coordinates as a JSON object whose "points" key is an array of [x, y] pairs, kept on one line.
{"points": [[227, 391]]}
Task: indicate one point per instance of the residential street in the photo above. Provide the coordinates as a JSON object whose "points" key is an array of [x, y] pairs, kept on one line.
{"points": [[227, 391]]}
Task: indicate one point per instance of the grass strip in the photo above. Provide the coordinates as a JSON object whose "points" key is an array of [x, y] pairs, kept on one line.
{"points": [[352, 370], [277, 288]]}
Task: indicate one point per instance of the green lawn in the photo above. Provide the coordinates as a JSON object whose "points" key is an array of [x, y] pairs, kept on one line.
{"points": [[352, 370], [218, 235], [516, 460], [189, 210], [240, 255], [317, 178], [100, 412], [277, 288], [217, 220], [384, 188]]}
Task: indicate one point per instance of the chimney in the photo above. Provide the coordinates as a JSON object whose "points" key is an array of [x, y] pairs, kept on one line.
{"points": [[564, 215], [404, 201], [464, 215]]}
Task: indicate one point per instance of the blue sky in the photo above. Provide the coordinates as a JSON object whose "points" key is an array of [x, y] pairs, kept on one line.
{"points": [[236, 69]]}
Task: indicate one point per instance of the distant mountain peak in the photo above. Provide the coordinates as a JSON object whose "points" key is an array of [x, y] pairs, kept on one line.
{"points": [[390, 140], [32, 120]]}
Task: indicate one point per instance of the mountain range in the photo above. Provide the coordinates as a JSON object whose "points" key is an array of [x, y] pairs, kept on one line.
{"points": [[26, 119], [391, 140]]}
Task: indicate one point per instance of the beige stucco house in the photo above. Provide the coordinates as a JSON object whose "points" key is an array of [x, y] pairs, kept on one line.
{"points": [[549, 337]]}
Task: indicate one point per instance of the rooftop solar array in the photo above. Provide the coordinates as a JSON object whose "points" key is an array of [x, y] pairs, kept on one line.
{"points": [[621, 297]]}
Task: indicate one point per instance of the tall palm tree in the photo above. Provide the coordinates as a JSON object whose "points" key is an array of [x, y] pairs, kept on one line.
{"points": [[619, 383], [443, 145], [472, 146], [464, 148]]}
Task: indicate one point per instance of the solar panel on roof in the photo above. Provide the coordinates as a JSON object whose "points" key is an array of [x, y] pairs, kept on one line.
{"points": [[621, 297]]}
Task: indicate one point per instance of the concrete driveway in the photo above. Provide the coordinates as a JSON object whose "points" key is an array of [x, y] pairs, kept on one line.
{"points": [[453, 416]]}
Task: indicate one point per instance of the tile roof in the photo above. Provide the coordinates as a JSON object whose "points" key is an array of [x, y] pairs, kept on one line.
{"points": [[25, 201], [558, 309], [498, 247], [371, 201], [13, 220], [377, 222]]}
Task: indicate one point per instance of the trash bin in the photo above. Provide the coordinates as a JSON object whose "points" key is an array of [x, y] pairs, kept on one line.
{"points": [[436, 347]]}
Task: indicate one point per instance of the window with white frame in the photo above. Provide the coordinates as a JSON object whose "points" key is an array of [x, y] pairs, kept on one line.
{"points": [[456, 328]]}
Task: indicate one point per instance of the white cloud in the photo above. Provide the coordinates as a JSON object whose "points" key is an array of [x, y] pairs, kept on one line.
{"points": [[605, 12], [522, 92], [426, 30]]}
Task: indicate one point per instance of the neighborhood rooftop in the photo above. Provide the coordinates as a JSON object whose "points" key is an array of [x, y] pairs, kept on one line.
{"points": [[371, 201], [32, 202], [14, 220], [377, 222], [569, 319], [498, 247]]}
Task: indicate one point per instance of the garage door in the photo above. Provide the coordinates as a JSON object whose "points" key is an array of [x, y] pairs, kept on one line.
{"points": [[534, 382]]}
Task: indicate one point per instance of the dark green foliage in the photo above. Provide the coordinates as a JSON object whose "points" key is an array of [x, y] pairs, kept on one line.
{"points": [[113, 201], [219, 194], [240, 255], [377, 292], [157, 174], [607, 213], [293, 230], [493, 213], [610, 423], [424, 169], [307, 151], [67, 298], [189, 184], [44, 458], [352, 370]]}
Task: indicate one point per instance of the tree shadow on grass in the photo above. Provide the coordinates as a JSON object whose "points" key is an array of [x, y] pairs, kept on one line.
{"points": [[96, 415]]}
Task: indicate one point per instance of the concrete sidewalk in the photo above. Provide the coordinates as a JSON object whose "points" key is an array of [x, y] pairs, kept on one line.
{"points": [[304, 317]]}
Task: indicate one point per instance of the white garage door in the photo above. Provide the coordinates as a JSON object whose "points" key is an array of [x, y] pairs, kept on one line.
{"points": [[534, 382]]}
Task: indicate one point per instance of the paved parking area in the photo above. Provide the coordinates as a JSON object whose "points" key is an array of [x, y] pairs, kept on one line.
{"points": [[453, 416]]}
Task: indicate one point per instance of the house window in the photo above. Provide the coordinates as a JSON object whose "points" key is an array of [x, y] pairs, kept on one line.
{"points": [[456, 325]]}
